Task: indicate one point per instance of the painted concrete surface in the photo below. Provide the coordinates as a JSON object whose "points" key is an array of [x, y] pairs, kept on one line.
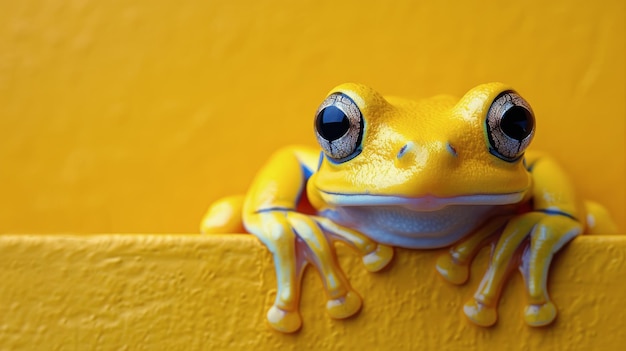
{"points": [[192, 292]]}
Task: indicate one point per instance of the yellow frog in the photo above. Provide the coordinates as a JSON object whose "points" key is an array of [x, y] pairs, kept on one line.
{"points": [[439, 172]]}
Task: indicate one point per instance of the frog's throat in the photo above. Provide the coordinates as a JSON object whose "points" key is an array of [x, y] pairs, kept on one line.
{"points": [[422, 203]]}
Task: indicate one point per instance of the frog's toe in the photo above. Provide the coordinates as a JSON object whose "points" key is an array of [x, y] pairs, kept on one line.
{"points": [[378, 259], [481, 314], [284, 321], [452, 271], [345, 306], [375, 256], [540, 315]]}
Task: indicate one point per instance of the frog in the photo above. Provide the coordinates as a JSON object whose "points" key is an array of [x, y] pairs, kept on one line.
{"points": [[436, 173]]}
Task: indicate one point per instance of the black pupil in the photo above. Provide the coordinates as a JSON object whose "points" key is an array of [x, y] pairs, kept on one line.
{"points": [[517, 123], [332, 123]]}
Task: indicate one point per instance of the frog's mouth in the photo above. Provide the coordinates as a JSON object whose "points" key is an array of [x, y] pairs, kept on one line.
{"points": [[422, 203]]}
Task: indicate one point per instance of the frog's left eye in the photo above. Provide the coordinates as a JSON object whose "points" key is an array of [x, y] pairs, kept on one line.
{"points": [[339, 127], [510, 126]]}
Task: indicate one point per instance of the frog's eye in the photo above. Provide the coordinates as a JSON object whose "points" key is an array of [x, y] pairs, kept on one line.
{"points": [[510, 126], [339, 127]]}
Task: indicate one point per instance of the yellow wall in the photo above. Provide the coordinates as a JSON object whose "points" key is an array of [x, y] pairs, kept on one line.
{"points": [[131, 116]]}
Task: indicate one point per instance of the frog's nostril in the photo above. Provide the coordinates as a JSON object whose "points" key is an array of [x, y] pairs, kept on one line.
{"points": [[405, 149]]}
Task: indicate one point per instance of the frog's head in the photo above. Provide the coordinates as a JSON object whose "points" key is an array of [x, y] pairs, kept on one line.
{"points": [[423, 154]]}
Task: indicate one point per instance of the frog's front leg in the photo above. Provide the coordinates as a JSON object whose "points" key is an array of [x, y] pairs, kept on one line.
{"points": [[535, 237], [548, 233], [528, 242], [547, 237], [297, 239]]}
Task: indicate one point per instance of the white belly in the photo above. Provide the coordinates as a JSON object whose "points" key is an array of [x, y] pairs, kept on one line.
{"points": [[402, 227]]}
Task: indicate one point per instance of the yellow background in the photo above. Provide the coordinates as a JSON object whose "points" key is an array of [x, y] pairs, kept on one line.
{"points": [[132, 116]]}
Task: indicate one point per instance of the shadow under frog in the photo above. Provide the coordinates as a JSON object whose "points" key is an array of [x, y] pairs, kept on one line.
{"points": [[418, 174]]}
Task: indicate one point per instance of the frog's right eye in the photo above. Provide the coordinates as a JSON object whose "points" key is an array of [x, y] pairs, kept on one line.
{"points": [[339, 127]]}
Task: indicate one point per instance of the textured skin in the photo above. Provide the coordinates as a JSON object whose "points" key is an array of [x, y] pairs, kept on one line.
{"points": [[191, 292]]}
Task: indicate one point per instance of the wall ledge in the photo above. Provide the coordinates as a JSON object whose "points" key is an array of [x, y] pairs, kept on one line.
{"points": [[192, 292]]}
